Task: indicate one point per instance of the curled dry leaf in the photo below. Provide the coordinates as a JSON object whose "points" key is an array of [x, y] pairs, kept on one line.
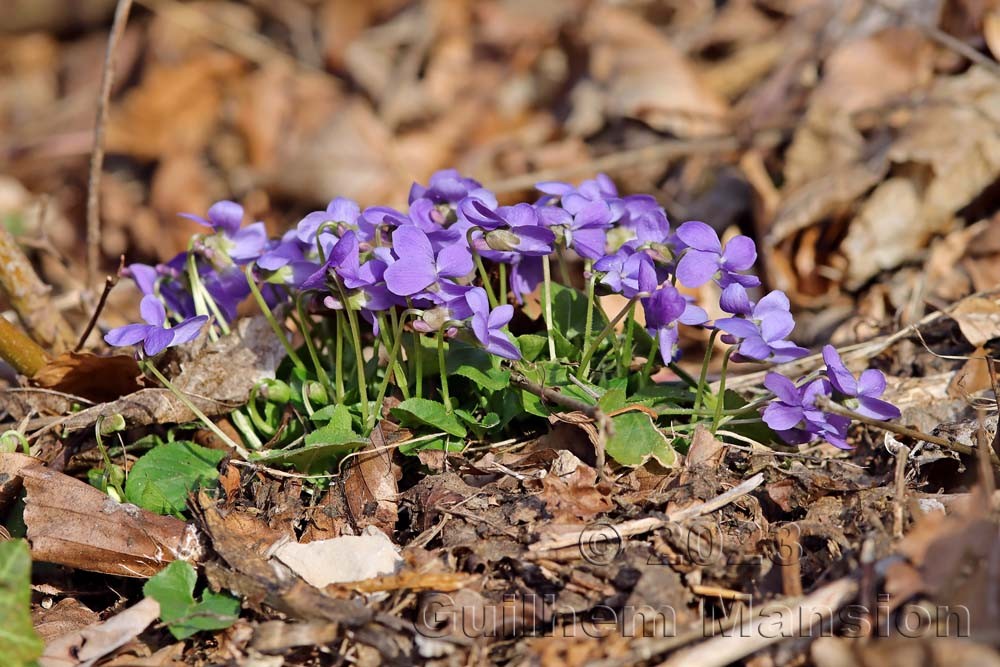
{"points": [[85, 647], [71, 523]]}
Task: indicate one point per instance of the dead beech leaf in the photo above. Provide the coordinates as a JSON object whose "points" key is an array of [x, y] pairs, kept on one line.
{"points": [[71, 523], [85, 647], [991, 31], [978, 318], [97, 378], [972, 377], [370, 487], [705, 449], [647, 78]]}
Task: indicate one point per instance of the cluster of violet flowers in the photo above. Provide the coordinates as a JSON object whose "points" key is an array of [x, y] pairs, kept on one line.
{"points": [[455, 264]]}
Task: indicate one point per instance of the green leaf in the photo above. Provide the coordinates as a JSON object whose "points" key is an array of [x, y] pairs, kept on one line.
{"points": [[173, 588], [161, 480], [636, 439], [531, 346], [19, 645], [447, 444], [569, 311], [324, 447], [424, 412], [477, 365], [338, 416], [613, 399]]}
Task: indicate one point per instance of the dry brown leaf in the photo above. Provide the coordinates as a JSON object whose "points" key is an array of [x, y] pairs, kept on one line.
{"points": [[572, 491], [11, 482], [871, 71], [647, 78], [978, 318], [85, 647], [66, 616], [887, 231], [991, 31], [99, 379], [370, 487], [973, 377], [174, 110], [72, 523], [217, 377]]}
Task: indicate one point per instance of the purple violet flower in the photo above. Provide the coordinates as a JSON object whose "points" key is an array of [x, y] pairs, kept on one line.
{"points": [[488, 325], [706, 259], [340, 210], [646, 218], [665, 308], [762, 334], [862, 393], [155, 335], [627, 271], [230, 241], [793, 414], [444, 186], [417, 268]]}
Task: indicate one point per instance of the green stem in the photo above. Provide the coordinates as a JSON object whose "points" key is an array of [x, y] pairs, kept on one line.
{"points": [[206, 296], [720, 399], [198, 294], [609, 327], [258, 420], [338, 367], [393, 361], [700, 392], [310, 346], [503, 283], [588, 269], [359, 356], [563, 266], [394, 368], [547, 305], [269, 316], [444, 371], [238, 448], [647, 368], [683, 375], [490, 294], [418, 361], [625, 352]]}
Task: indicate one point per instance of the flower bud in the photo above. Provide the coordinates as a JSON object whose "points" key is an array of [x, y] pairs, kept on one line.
{"points": [[316, 393], [275, 391], [503, 240]]}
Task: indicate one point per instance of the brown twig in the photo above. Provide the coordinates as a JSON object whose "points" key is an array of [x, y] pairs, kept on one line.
{"points": [[826, 404], [594, 412], [109, 284], [97, 154]]}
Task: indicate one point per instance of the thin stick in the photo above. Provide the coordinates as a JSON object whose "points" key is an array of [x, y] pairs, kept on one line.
{"points": [[899, 499], [826, 404], [647, 524], [97, 154], [109, 284]]}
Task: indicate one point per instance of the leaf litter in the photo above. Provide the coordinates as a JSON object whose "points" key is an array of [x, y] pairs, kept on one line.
{"points": [[877, 212]]}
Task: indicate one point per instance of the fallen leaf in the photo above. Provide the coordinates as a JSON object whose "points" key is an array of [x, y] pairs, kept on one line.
{"points": [[978, 318], [647, 78], [99, 379], [72, 523], [85, 647], [574, 492], [370, 486], [343, 559], [66, 616]]}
